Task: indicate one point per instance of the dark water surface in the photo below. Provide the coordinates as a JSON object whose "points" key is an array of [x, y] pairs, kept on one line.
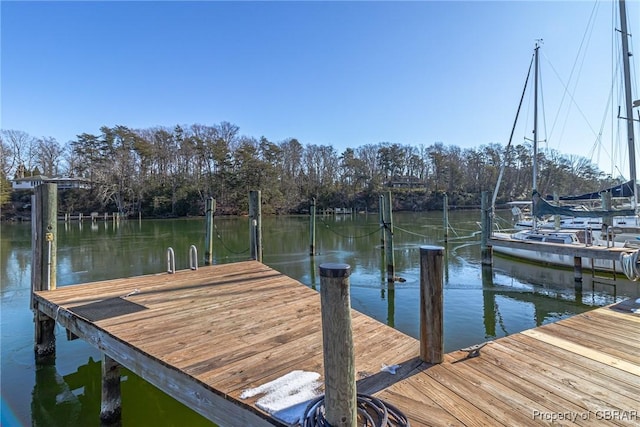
{"points": [[477, 307]]}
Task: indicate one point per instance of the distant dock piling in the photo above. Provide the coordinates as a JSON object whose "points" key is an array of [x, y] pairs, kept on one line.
{"points": [[577, 269], [383, 233], [445, 216], [388, 229], [255, 225], [337, 343], [312, 227], [208, 239], [486, 250]]}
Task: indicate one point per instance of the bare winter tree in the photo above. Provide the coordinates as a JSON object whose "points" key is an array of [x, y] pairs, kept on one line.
{"points": [[49, 155], [21, 148], [6, 158]]}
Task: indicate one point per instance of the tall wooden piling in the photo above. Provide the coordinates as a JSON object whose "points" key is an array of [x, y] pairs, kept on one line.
{"points": [[337, 341], [43, 271], [383, 232], [607, 219], [486, 250], [445, 216], [111, 405], [388, 227], [556, 218], [255, 225], [431, 304], [312, 227], [209, 211]]}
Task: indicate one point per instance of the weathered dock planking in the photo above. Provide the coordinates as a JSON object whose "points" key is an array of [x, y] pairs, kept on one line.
{"points": [[203, 336]]}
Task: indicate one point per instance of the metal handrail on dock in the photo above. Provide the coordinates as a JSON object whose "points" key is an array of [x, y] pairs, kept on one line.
{"points": [[171, 261], [193, 257]]}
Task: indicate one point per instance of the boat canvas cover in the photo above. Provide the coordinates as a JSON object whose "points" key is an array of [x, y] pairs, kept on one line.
{"points": [[541, 208], [619, 190]]}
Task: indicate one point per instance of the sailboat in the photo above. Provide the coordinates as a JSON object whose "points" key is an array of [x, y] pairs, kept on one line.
{"points": [[584, 236]]}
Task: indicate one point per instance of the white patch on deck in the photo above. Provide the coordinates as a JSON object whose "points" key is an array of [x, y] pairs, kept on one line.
{"points": [[392, 369], [287, 397]]}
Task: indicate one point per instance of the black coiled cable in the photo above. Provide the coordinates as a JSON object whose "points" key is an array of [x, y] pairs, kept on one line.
{"points": [[372, 412]]}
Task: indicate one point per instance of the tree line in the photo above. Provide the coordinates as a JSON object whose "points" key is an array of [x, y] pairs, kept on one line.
{"points": [[163, 171]]}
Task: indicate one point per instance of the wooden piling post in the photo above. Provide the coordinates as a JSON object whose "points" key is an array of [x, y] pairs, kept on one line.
{"points": [[312, 227], [43, 271], [577, 269], [431, 304], [486, 250], [255, 225], [391, 273], [383, 233], [337, 341], [208, 238], [111, 405], [556, 218], [445, 214], [607, 219]]}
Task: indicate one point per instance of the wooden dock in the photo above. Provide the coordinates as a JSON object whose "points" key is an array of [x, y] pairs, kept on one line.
{"points": [[204, 336]]}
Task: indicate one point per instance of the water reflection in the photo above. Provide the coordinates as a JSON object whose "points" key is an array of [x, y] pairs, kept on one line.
{"points": [[74, 399], [488, 302], [544, 307], [53, 402], [312, 272], [391, 305], [559, 283]]}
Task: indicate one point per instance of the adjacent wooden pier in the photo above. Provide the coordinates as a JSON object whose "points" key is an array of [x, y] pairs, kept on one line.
{"points": [[203, 336]]}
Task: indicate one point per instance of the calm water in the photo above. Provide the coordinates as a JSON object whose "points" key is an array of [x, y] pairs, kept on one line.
{"points": [[477, 307]]}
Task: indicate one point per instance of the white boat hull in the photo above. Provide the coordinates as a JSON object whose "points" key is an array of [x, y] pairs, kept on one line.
{"points": [[547, 258]]}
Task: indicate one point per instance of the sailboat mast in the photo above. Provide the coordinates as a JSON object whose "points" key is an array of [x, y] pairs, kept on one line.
{"points": [[535, 121], [627, 96], [535, 131]]}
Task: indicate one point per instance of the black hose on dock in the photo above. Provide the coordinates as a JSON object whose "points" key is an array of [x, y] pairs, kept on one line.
{"points": [[372, 412]]}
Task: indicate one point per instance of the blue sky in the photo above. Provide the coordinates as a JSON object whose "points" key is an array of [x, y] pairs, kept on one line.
{"points": [[332, 73]]}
